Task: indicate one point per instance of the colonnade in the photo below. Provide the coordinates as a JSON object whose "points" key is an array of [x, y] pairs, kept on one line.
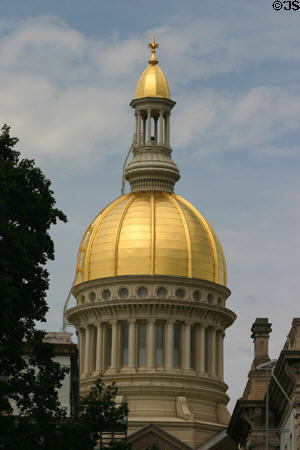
{"points": [[187, 347], [152, 126]]}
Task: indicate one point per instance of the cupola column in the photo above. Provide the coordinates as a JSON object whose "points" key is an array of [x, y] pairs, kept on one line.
{"points": [[132, 345], [99, 348], [161, 129], [144, 131], [167, 130], [169, 344], [150, 362], [138, 127], [149, 126]]}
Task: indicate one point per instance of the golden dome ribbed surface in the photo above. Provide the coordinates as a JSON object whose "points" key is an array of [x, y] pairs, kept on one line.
{"points": [[150, 233], [152, 83]]}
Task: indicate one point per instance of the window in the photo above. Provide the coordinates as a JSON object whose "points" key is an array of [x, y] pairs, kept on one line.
{"points": [[142, 344], [125, 345], [123, 292], [176, 354], [106, 294], [142, 292], [109, 342], [192, 348], [159, 344]]}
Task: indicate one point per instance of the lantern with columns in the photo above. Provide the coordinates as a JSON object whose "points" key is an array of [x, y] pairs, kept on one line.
{"points": [[151, 289]]}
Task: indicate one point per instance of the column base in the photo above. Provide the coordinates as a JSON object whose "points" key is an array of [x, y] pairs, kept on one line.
{"points": [[111, 371], [202, 374]]}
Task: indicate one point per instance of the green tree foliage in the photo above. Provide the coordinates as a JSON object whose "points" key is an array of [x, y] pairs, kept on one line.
{"points": [[29, 383], [31, 417]]}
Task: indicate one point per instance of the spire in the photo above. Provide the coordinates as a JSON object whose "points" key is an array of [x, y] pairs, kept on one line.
{"points": [[153, 45], [152, 167]]}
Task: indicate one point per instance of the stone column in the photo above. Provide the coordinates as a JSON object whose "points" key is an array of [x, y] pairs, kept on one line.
{"points": [[114, 345], [99, 348], [220, 355], [138, 127], [144, 131], [168, 130], [202, 350], [132, 345], [169, 344], [150, 344], [149, 126], [161, 129], [213, 352], [187, 346], [81, 351], [87, 352], [155, 129]]}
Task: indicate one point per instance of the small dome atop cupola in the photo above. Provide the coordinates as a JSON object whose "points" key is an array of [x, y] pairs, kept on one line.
{"points": [[153, 82]]}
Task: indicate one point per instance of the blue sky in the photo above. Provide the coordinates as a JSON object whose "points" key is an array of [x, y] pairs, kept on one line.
{"points": [[68, 73]]}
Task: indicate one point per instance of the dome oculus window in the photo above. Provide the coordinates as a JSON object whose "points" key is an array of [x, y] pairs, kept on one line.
{"points": [[142, 292], [123, 292], [210, 299], [161, 292], [92, 296], [180, 293], [106, 294], [196, 295]]}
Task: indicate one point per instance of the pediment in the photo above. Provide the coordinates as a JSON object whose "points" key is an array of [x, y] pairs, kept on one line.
{"points": [[153, 434]]}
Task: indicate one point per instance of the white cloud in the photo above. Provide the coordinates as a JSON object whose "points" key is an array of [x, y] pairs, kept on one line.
{"points": [[67, 95]]}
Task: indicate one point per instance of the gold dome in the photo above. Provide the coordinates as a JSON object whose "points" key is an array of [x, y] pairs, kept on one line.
{"points": [[152, 82], [150, 233]]}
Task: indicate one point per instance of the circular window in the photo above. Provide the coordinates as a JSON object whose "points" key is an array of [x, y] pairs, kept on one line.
{"points": [[123, 292], [210, 299], [106, 294], [92, 296], [161, 292], [196, 295], [142, 292], [180, 293]]}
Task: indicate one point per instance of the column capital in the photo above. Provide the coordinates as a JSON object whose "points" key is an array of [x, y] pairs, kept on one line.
{"points": [[151, 320], [132, 321], [171, 321], [113, 322]]}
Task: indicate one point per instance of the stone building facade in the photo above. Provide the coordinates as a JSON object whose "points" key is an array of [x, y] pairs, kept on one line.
{"points": [[268, 414]]}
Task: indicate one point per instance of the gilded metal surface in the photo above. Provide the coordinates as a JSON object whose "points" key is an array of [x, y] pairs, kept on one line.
{"points": [[153, 82], [151, 233]]}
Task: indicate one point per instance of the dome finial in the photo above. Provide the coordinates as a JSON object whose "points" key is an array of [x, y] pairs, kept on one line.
{"points": [[153, 45]]}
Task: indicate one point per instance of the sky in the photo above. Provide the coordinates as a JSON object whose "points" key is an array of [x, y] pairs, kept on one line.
{"points": [[68, 73]]}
